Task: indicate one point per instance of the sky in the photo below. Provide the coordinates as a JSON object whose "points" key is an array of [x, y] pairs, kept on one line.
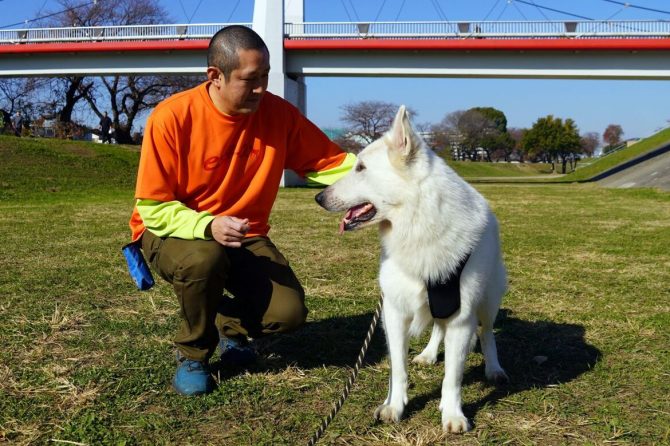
{"points": [[640, 107]]}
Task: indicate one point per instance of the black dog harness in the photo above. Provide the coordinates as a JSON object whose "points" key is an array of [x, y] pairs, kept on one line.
{"points": [[444, 297]]}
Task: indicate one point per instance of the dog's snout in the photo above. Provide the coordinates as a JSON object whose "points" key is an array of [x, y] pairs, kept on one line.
{"points": [[320, 198]]}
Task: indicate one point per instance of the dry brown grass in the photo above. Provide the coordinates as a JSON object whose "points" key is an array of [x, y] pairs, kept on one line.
{"points": [[87, 359]]}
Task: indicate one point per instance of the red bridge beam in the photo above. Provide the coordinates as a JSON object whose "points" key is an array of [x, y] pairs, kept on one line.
{"points": [[482, 44], [357, 44], [98, 47]]}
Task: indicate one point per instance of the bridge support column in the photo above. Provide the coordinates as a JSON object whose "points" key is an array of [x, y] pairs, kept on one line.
{"points": [[268, 22]]}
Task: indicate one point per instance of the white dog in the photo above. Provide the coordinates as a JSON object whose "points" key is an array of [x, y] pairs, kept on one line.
{"points": [[434, 228]]}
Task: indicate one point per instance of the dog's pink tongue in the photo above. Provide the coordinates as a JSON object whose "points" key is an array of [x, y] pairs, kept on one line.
{"points": [[353, 213], [345, 220]]}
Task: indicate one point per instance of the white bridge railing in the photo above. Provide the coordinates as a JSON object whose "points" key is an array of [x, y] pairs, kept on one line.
{"points": [[493, 30], [348, 30], [112, 33]]}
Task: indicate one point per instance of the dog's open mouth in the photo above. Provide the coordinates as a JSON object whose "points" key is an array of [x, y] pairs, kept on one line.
{"points": [[357, 215]]}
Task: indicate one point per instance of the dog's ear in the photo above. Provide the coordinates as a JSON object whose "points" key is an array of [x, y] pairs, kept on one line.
{"points": [[404, 142]]}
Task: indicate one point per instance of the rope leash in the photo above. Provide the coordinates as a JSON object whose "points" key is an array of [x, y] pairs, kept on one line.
{"points": [[352, 377]]}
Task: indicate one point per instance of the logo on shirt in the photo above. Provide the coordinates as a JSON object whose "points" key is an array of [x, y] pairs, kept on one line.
{"points": [[212, 162], [246, 151]]}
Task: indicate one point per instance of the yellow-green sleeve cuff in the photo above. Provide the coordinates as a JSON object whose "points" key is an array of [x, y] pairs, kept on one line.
{"points": [[328, 177], [173, 219]]}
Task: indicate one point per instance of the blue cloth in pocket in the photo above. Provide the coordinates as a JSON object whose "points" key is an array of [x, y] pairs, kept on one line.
{"points": [[137, 266]]}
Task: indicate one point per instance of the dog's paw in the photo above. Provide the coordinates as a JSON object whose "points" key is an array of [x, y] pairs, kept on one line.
{"points": [[455, 424], [497, 376], [387, 414], [424, 359]]}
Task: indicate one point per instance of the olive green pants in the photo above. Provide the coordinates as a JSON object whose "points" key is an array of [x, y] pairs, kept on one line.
{"points": [[263, 294]]}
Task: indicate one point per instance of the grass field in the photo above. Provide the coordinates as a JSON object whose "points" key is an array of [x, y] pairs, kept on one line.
{"points": [[87, 359], [468, 169]]}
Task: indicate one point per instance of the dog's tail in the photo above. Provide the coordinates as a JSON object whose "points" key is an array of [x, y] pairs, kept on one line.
{"points": [[420, 322]]}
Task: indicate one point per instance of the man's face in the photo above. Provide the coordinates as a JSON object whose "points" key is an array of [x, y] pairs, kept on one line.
{"points": [[243, 91]]}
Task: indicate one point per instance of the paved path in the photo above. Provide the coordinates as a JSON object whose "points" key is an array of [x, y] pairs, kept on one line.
{"points": [[654, 172]]}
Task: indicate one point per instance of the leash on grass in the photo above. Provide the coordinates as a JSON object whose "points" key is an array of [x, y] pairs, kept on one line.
{"points": [[352, 377]]}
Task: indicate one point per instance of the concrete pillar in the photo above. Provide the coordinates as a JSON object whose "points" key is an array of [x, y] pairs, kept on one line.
{"points": [[295, 11], [268, 22]]}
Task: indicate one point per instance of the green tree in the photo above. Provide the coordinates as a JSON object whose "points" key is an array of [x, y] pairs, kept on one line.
{"points": [[570, 145], [516, 134], [552, 140], [486, 128]]}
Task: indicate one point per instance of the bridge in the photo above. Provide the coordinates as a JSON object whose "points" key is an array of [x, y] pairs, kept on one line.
{"points": [[587, 49], [580, 49]]}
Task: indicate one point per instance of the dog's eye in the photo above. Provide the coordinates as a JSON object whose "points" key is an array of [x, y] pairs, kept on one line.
{"points": [[360, 167]]}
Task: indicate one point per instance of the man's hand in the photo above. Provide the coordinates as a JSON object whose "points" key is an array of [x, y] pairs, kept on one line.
{"points": [[229, 231]]}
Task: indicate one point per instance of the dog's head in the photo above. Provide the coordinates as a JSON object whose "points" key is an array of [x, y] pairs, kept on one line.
{"points": [[380, 182]]}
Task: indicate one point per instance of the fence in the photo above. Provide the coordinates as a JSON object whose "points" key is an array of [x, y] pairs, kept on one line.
{"points": [[112, 33], [348, 30], [497, 30]]}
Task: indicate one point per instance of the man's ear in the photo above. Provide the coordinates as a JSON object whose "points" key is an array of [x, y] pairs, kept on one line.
{"points": [[214, 75], [403, 140]]}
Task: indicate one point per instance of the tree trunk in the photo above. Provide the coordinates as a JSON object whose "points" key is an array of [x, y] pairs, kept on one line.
{"points": [[73, 94], [564, 163], [122, 135]]}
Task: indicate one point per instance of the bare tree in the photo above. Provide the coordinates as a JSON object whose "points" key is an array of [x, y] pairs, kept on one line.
{"points": [[348, 144], [368, 120], [19, 94], [446, 134], [14, 92], [66, 93], [590, 142], [110, 12], [612, 136], [130, 96]]}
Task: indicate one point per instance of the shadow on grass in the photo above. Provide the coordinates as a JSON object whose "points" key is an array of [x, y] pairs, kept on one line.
{"points": [[329, 342], [522, 345], [337, 342]]}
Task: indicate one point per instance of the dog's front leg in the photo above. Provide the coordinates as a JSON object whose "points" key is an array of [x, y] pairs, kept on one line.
{"points": [[396, 325], [456, 349]]}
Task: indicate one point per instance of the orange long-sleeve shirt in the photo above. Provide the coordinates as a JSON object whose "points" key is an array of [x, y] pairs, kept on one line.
{"points": [[226, 165]]}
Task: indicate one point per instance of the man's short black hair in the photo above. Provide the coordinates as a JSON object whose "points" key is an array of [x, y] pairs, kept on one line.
{"points": [[222, 51]]}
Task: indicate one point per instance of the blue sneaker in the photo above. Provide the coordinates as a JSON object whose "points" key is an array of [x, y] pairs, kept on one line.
{"points": [[192, 378], [237, 351]]}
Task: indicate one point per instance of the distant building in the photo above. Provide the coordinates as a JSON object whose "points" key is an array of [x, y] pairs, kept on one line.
{"points": [[45, 128], [630, 141], [333, 133]]}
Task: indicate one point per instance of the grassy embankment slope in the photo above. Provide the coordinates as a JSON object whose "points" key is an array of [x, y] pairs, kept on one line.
{"points": [[614, 159], [527, 172], [87, 359]]}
